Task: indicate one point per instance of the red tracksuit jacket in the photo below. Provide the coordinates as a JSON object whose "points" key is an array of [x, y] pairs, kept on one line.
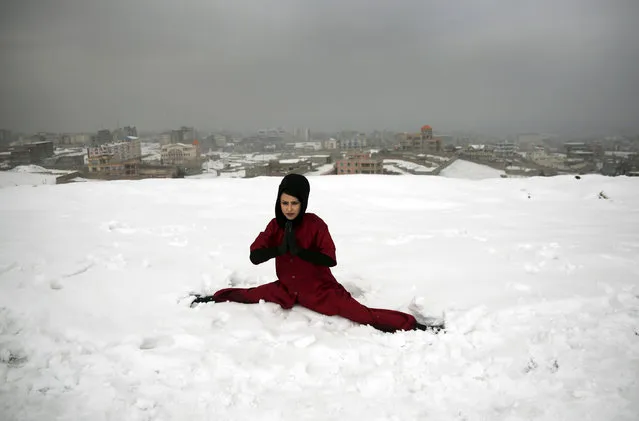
{"points": [[298, 275]]}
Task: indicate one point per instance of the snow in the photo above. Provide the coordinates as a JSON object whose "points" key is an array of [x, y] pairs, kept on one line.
{"points": [[405, 167], [290, 161], [11, 179], [538, 279], [30, 175], [437, 158], [259, 157], [29, 169], [470, 170], [517, 168], [392, 169], [621, 154], [70, 151]]}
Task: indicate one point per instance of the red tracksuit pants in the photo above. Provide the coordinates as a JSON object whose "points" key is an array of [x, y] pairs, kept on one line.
{"points": [[332, 300]]}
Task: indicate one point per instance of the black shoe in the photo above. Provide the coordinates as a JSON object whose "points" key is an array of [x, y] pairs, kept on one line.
{"points": [[435, 328], [201, 299]]}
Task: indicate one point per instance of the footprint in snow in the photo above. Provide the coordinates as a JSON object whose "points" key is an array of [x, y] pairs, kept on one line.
{"points": [[532, 365], [152, 342], [56, 284], [13, 357]]}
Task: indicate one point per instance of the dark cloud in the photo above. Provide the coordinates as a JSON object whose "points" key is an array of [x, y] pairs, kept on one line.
{"points": [[484, 64]]}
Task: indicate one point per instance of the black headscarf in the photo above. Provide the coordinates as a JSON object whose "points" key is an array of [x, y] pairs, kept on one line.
{"points": [[295, 185]]}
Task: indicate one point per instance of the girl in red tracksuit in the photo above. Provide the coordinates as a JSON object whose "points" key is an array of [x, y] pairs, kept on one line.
{"points": [[304, 252]]}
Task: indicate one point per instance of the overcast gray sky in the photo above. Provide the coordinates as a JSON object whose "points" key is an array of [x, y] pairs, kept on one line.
{"points": [[533, 65]]}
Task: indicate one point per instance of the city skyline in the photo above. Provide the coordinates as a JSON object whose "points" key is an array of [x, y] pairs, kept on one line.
{"points": [[498, 66]]}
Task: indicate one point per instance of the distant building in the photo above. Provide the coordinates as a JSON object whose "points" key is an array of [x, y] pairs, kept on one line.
{"points": [[124, 132], [180, 154], [220, 140], [359, 163], [6, 137], [303, 135], [305, 146], [102, 137], [358, 141], [164, 138], [272, 134], [40, 137], [505, 148], [5, 160], [318, 159], [419, 142], [183, 135], [74, 139], [26, 154], [40, 150], [330, 143], [538, 153], [477, 152], [158, 171], [579, 150], [280, 167], [67, 162], [21, 155], [117, 160]]}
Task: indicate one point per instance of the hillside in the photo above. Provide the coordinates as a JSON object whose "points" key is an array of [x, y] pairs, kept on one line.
{"points": [[537, 277]]}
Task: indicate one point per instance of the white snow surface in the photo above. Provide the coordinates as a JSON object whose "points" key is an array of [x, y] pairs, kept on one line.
{"points": [[404, 167], [470, 170], [29, 175], [11, 179], [538, 279]]}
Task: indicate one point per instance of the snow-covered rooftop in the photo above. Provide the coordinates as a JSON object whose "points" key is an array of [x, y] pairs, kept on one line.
{"points": [[291, 161], [31, 175], [405, 167]]}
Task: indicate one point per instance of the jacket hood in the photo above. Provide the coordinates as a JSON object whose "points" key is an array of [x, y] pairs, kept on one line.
{"points": [[295, 185]]}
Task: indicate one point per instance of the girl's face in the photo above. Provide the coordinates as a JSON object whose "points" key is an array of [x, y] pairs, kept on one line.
{"points": [[290, 206]]}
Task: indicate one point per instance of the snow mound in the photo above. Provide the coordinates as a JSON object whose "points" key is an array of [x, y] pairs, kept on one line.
{"points": [[470, 170]]}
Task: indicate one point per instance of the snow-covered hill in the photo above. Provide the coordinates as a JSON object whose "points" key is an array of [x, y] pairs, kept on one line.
{"points": [[470, 171], [538, 278]]}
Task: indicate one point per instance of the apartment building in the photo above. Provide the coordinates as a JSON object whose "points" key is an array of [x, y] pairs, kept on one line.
{"points": [[421, 142], [102, 137], [359, 163], [6, 137], [30, 153], [180, 154], [117, 159], [358, 141], [505, 148], [330, 143], [74, 139], [183, 135], [280, 167]]}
